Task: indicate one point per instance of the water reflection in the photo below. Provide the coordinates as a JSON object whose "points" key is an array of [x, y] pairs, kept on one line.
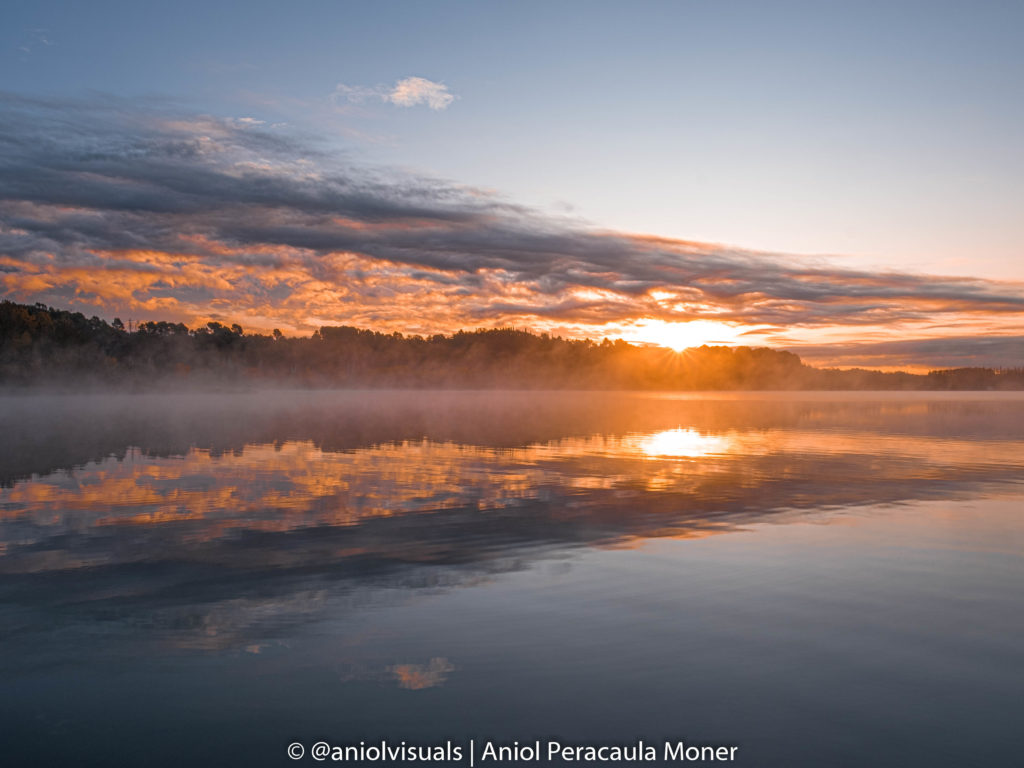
{"points": [[681, 442], [595, 489], [261, 510], [202, 573], [416, 677]]}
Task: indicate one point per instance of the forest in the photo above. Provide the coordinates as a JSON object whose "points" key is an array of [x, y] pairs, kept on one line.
{"points": [[45, 346]]}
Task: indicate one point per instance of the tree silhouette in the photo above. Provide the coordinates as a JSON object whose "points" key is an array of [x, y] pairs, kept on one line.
{"points": [[40, 344]]}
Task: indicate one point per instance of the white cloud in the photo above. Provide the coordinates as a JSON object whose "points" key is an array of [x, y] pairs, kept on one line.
{"points": [[410, 91], [407, 92]]}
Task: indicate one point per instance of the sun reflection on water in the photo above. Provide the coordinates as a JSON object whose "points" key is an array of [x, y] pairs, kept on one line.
{"points": [[203, 496], [681, 443]]}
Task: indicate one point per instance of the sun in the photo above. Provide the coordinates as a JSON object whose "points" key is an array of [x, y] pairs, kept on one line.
{"points": [[680, 336]]}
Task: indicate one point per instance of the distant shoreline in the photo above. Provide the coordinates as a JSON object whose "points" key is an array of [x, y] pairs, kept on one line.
{"points": [[54, 350]]}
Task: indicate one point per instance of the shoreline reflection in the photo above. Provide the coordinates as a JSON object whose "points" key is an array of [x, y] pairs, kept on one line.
{"points": [[291, 507]]}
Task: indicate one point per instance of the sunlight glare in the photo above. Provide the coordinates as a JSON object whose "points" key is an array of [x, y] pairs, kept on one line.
{"points": [[687, 443], [680, 336]]}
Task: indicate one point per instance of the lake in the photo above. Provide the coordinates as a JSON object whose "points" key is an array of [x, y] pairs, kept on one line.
{"points": [[816, 579]]}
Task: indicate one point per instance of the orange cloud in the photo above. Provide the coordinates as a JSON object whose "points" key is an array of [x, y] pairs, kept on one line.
{"points": [[216, 220]]}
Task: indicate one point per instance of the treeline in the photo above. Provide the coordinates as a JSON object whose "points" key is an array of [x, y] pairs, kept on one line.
{"points": [[41, 345]]}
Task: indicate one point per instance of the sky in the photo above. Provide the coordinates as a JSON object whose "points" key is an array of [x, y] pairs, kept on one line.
{"points": [[841, 179]]}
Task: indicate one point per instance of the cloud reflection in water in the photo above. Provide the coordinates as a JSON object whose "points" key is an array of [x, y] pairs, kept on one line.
{"points": [[215, 529]]}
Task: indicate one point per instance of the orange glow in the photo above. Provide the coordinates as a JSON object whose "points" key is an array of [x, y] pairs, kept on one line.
{"points": [[680, 443], [416, 677], [680, 336], [267, 286]]}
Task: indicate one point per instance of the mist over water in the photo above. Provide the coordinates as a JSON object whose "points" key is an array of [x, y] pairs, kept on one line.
{"points": [[823, 579]]}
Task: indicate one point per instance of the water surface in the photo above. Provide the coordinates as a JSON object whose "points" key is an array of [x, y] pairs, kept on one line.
{"points": [[819, 579]]}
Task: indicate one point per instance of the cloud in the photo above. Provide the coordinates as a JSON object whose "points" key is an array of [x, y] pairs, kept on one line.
{"points": [[407, 92], [999, 351], [146, 212], [411, 91]]}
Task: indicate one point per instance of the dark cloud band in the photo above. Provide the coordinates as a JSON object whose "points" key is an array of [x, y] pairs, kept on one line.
{"points": [[87, 186]]}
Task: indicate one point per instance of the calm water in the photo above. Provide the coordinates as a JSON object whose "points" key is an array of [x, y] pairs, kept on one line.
{"points": [[820, 580]]}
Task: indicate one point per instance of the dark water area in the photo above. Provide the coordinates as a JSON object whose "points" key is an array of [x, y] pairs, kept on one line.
{"points": [[817, 579]]}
